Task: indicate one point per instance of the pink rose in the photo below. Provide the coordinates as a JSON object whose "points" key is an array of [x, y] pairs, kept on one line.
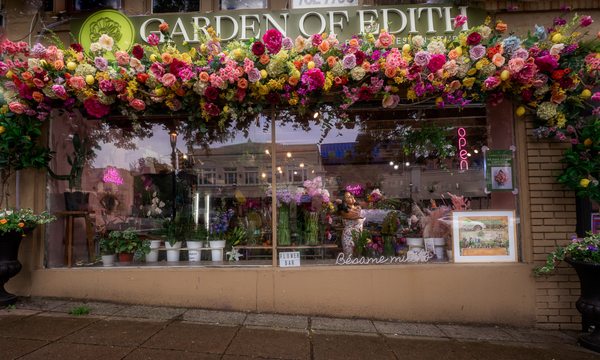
{"points": [[95, 108], [390, 101], [515, 65], [436, 62], [77, 82], [385, 39], [137, 104], [16, 107], [168, 79], [153, 39], [59, 91], [273, 40], [491, 82]]}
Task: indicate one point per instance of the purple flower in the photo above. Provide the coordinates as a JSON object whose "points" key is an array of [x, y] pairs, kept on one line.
{"points": [[558, 21], [422, 58], [546, 63], [287, 43], [477, 52], [586, 21], [38, 50], [59, 91], [254, 75], [349, 61], [106, 86], [101, 63], [318, 60]]}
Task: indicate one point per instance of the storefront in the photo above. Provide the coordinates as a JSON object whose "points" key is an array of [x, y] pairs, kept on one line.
{"points": [[414, 211]]}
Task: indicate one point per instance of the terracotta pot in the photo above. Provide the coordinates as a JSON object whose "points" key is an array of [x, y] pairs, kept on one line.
{"points": [[125, 257]]}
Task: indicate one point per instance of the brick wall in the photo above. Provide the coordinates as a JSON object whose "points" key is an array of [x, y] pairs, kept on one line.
{"points": [[553, 220]]}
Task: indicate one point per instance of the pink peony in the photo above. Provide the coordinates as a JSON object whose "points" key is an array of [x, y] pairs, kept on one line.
{"points": [[106, 86], [596, 96], [515, 65], [273, 40], [137, 104], [153, 39], [313, 79], [95, 108], [422, 58], [77, 82], [59, 91], [316, 40], [436, 62], [491, 82], [385, 39], [122, 58], [168, 80], [546, 63]]}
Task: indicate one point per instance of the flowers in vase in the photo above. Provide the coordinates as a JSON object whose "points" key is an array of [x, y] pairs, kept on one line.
{"points": [[220, 224]]}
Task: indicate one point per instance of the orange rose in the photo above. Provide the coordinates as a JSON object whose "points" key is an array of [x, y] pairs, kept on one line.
{"points": [[37, 96], [298, 64], [26, 75], [3, 221], [204, 77], [331, 61], [264, 59], [366, 66], [324, 46], [307, 58], [353, 43], [180, 92], [167, 58], [163, 27], [293, 80], [242, 83], [390, 72], [453, 54], [59, 64], [21, 225], [501, 27]]}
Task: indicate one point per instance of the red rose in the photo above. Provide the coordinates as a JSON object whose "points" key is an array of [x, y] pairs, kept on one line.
{"points": [[211, 93], [95, 108], [474, 38], [142, 77], [493, 51], [360, 57], [273, 39], [258, 48], [77, 47], [138, 51], [212, 109], [436, 62]]}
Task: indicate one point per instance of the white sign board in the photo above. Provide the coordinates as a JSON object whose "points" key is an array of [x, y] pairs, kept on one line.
{"points": [[306, 4], [289, 259]]}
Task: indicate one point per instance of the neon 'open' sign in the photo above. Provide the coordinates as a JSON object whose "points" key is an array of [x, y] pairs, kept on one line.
{"points": [[463, 154]]}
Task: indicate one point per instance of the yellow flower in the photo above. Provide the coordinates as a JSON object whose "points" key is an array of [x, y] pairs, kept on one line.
{"points": [[411, 95], [263, 73], [89, 79], [520, 111], [471, 71], [584, 183], [293, 101], [504, 75], [2, 130], [588, 142], [586, 94], [468, 82], [556, 38], [406, 48]]}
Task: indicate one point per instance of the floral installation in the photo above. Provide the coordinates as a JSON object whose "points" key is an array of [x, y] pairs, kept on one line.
{"points": [[313, 193], [552, 73], [220, 224], [585, 249], [156, 206], [22, 220]]}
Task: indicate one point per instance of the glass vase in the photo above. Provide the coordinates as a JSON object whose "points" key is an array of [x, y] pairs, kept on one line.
{"points": [[283, 226], [312, 228], [388, 245]]}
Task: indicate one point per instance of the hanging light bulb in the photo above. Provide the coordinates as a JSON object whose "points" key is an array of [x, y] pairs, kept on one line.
{"points": [[316, 115]]}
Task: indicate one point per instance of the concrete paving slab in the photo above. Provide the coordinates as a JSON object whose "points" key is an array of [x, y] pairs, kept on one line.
{"points": [[214, 317], [14, 348], [277, 321], [344, 347], [18, 312], [521, 351], [116, 332], [265, 343], [150, 312], [428, 349], [158, 354], [65, 351], [344, 333], [43, 327], [359, 325], [192, 337], [42, 304], [96, 308], [7, 319], [408, 329], [475, 332], [540, 336]]}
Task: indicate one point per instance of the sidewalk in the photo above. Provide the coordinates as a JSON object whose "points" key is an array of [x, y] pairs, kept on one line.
{"points": [[43, 329]]}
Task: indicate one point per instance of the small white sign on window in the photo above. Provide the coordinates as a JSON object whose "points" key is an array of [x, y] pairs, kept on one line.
{"points": [[289, 259], [305, 4]]}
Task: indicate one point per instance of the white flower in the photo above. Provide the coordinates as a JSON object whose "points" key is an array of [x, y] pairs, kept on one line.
{"points": [[418, 41], [95, 47], [436, 47], [556, 49], [106, 42], [485, 32]]}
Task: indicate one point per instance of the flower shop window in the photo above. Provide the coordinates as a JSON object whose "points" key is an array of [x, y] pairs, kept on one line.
{"points": [[381, 183], [168, 184], [168, 6], [243, 4]]}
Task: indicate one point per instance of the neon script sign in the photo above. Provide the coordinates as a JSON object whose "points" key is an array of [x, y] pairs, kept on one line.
{"points": [[111, 176], [463, 154]]}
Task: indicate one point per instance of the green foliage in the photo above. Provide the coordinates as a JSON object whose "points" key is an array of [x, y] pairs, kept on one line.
{"points": [[235, 237], [128, 242], [80, 310], [22, 220], [82, 152], [360, 239], [582, 171], [428, 142], [390, 223], [582, 250], [107, 246]]}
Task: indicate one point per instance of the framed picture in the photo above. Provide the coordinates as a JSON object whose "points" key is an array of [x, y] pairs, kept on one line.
{"points": [[484, 236]]}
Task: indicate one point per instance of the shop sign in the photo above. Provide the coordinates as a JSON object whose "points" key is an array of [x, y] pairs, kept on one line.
{"points": [[499, 174], [413, 256], [463, 154], [400, 20], [289, 259]]}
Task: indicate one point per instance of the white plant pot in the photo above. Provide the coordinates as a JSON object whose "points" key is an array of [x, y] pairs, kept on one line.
{"points": [[173, 251], [194, 254], [440, 248], [108, 260], [217, 252], [152, 256]]}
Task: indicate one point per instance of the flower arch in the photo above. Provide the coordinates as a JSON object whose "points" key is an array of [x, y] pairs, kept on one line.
{"points": [[551, 74]]}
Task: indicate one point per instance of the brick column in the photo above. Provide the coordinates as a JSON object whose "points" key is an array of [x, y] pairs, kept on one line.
{"points": [[553, 219]]}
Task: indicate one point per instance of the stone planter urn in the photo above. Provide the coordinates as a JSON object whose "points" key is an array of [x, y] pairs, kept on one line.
{"points": [[588, 303], [9, 264]]}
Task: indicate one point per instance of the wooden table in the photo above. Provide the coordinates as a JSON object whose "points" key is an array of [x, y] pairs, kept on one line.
{"points": [[69, 233]]}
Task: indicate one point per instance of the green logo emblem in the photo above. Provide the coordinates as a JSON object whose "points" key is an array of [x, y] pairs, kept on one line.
{"points": [[109, 22]]}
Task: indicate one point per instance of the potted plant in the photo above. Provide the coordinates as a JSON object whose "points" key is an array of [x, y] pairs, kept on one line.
{"points": [[127, 243], [107, 251], [196, 241], [218, 228], [360, 239], [234, 237], [389, 227], [175, 232], [75, 198], [583, 254]]}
